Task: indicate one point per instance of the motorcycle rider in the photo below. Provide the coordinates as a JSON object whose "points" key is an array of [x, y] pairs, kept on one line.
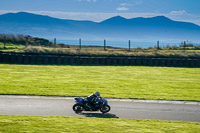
{"points": [[91, 99]]}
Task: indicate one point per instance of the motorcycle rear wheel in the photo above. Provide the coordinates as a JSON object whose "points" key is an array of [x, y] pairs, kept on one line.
{"points": [[105, 109], [77, 108]]}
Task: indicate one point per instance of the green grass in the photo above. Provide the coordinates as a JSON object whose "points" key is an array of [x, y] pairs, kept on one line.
{"points": [[112, 81], [12, 47], [113, 51], [55, 124], [96, 51]]}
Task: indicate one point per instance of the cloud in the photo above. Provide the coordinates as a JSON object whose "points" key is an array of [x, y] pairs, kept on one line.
{"points": [[138, 2], [125, 4], [91, 0], [123, 8], [181, 12], [87, 0]]}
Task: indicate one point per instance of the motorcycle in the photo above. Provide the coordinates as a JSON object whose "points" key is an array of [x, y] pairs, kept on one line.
{"points": [[101, 104]]}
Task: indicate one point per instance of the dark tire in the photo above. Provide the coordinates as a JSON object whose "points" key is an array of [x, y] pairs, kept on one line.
{"points": [[105, 109], [77, 108]]}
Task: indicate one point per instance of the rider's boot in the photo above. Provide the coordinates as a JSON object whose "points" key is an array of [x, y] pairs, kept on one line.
{"points": [[89, 106]]}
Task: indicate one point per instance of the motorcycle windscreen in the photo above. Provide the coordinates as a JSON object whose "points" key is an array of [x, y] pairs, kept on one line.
{"points": [[105, 101]]}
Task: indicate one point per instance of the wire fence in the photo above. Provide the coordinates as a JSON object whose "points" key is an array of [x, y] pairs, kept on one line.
{"points": [[128, 44]]}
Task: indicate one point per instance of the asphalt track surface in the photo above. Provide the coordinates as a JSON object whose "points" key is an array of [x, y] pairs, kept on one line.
{"points": [[61, 106]]}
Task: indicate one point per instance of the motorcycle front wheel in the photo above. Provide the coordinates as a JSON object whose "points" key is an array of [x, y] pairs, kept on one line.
{"points": [[105, 109], [77, 108]]}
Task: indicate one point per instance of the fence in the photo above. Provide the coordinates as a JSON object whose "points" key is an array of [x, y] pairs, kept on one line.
{"points": [[125, 44], [20, 58]]}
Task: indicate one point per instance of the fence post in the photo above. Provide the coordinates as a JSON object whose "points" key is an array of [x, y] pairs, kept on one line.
{"points": [[4, 41], [184, 45], [79, 43], [158, 45], [129, 45], [54, 42], [104, 44], [26, 41]]}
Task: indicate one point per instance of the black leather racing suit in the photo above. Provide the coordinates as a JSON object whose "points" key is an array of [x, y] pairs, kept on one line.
{"points": [[90, 101]]}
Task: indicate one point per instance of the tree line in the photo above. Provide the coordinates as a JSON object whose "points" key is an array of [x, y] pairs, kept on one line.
{"points": [[24, 40]]}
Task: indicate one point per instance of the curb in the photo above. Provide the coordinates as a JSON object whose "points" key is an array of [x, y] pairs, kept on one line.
{"points": [[109, 99], [156, 101]]}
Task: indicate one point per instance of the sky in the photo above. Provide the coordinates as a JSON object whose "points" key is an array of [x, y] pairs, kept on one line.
{"points": [[99, 10]]}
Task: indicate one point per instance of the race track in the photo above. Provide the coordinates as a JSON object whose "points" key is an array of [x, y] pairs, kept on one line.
{"points": [[62, 106]]}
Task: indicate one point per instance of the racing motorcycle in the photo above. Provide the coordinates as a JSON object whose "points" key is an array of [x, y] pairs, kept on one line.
{"points": [[101, 104]]}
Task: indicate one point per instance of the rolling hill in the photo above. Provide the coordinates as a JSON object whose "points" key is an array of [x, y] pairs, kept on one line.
{"points": [[115, 28]]}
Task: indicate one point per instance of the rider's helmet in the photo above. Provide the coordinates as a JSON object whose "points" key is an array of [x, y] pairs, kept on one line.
{"points": [[97, 94]]}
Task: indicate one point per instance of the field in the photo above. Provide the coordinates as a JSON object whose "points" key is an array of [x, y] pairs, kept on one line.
{"points": [[113, 82], [15, 124]]}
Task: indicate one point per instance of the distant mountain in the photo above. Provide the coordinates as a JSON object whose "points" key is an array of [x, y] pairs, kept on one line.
{"points": [[115, 28]]}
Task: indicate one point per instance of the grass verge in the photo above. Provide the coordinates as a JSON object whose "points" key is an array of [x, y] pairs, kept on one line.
{"points": [[110, 51], [112, 81], [57, 124], [9, 47]]}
